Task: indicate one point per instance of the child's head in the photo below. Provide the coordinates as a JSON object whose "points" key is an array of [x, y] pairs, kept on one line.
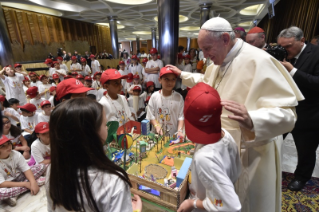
{"points": [[46, 106], [134, 59], [136, 90], [5, 147], [74, 74], [44, 79], [33, 76], [97, 76], [180, 58], [92, 57], [28, 109], [52, 90], [88, 81], [144, 61], [111, 80], [59, 59], [6, 123], [167, 79], [9, 71], [14, 103], [67, 77], [122, 65], [26, 81], [153, 53], [136, 79], [202, 111], [187, 59], [48, 62], [17, 67], [80, 77], [129, 78], [56, 78], [4, 102], [32, 92], [56, 65], [150, 86], [83, 61], [42, 132], [74, 59]]}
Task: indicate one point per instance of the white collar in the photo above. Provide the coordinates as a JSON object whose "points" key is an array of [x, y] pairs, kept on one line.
{"points": [[303, 48], [233, 52]]}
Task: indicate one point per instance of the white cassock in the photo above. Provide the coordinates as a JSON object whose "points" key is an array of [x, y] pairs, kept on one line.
{"points": [[263, 85]]}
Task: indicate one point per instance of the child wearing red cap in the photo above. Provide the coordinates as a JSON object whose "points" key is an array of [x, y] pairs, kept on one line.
{"points": [[153, 68], [86, 71], [136, 68], [95, 65], [165, 107], [26, 84], [136, 82], [46, 107], [141, 106], [40, 148], [75, 66], [16, 177], [128, 84], [15, 134], [187, 68], [62, 65], [34, 79], [56, 79], [57, 70], [52, 94], [216, 164], [44, 88], [97, 84], [149, 90], [123, 71], [13, 82], [115, 105], [12, 111], [28, 120], [80, 77], [35, 98]]}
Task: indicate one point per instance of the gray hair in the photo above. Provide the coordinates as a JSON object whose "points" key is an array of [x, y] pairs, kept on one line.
{"points": [[218, 34], [291, 32], [316, 38]]}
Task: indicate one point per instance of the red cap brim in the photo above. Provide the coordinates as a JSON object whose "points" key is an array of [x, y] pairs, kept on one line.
{"points": [[204, 135], [44, 131]]}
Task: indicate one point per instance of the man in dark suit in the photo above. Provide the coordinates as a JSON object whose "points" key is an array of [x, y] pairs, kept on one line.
{"points": [[304, 68]]}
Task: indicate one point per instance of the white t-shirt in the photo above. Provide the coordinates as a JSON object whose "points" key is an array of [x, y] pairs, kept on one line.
{"points": [[51, 99], [128, 85], [28, 123], [14, 88], [96, 85], [39, 151], [154, 77], [116, 110], [94, 92], [140, 102], [15, 140], [85, 70], [145, 75], [109, 191], [12, 167], [144, 95], [37, 103], [14, 113], [60, 71], [95, 66], [123, 81], [214, 170], [187, 68], [37, 83], [136, 69], [63, 66], [25, 88], [43, 118], [43, 88], [75, 66], [51, 72], [99, 94], [166, 110]]}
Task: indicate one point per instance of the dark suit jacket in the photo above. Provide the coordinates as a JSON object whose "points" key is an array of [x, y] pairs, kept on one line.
{"points": [[307, 79]]}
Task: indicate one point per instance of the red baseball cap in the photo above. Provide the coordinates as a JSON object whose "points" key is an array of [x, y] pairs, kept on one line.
{"points": [[180, 56], [32, 91], [55, 62], [134, 57], [165, 70], [55, 76], [32, 73], [73, 58], [45, 102], [59, 58], [121, 62], [111, 74], [153, 51], [29, 107], [68, 77], [70, 86], [17, 65], [187, 56], [144, 60], [137, 88], [2, 98], [41, 77], [202, 111], [74, 73], [96, 73], [150, 83], [47, 61], [136, 76], [52, 88], [92, 56], [26, 79], [4, 139], [88, 78], [42, 127], [83, 60], [129, 77], [80, 76]]}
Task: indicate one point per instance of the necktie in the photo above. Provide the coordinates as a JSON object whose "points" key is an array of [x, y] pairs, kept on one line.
{"points": [[293, 61]]}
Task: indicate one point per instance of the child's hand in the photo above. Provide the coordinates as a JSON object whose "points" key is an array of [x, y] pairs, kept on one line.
{"points": [[180, 134], [2, 71], [27, 185], [26, 154], [137, 203], [159, 130], [186, 206], [34, 188]]}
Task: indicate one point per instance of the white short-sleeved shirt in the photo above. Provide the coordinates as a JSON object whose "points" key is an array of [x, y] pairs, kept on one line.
{"points": [[43, 118], [109, 191], [95, 66], [43, 88], [144, 96], [37, 103], [63, 66], [166, 110], [99, 93], [51, 72], [37, 83], [123, 81], [136, 69], [214, 170], [145, 75], [96, 85], [28, 123], [85, 70], [187, 68], [116, 110], [51, 99], [75, 66], [12, 167], [60, 71], [154, 77], [39, 151], [14, 113], [14, 140], [14, 88]]}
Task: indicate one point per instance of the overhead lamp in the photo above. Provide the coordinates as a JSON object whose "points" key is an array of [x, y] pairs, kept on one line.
{"points": [[245, 24], [190, 28], [251, 10], [130, 38], [196, 33], [119, 26], [59, 5], [142, 32], [129, 2], [182, 18], [33, 8]]}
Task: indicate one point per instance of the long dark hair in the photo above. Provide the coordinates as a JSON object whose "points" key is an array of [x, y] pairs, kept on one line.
{"points": [[76, 146], [14, 130]]}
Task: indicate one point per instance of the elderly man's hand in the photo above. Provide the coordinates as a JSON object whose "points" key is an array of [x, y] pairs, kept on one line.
{"points": [[240, 113], [287, 65], [174, 69]]}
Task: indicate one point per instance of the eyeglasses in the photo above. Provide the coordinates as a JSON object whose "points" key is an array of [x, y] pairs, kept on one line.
{"points": [[7, 122], [5, 145]]}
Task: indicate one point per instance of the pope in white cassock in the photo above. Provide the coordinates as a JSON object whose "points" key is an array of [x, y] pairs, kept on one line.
{"points": [[259, 97]]}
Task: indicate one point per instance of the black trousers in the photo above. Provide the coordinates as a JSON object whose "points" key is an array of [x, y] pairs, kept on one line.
{"points": [[306, 142]]}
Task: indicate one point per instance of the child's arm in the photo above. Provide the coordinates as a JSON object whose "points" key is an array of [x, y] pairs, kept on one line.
{"points": [[10, 184], [34, 188], [10, 115], [23, 73], [152, 70], [24, 146], [2, 74], [180, 128], [46, 161], [27, 130]]}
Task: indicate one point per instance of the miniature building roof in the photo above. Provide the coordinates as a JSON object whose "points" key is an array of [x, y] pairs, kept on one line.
{"points": [[143, 143]]}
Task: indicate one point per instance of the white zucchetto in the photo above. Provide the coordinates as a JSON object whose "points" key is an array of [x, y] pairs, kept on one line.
{"points": [[217, 24]]}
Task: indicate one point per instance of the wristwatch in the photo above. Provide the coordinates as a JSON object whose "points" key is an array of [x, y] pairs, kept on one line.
{"points": [[194, 203]]}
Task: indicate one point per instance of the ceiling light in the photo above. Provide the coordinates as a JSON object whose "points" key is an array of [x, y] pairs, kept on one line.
{"points": [[130, 38], [59, 5], [181, 18], [245, 24], [130, 2], [119, 26], [142, 32], [190, 28], [196, 33], [32, 8], [251, 10]]}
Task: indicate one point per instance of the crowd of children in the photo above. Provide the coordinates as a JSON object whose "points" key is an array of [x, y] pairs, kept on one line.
{"points": [[34, 105]]}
